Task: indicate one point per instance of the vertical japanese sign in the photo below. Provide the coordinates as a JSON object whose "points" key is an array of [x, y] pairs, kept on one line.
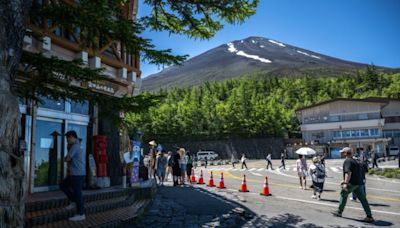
{"points": [[136, 161]]}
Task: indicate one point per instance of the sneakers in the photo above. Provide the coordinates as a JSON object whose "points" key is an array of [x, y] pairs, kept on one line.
{"points": [[71, 206], [76, 218], [314, 196], [337, 214], [369, 219]]}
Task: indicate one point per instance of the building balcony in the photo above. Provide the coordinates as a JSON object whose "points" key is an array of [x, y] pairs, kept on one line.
{"points": [[375, 123]]}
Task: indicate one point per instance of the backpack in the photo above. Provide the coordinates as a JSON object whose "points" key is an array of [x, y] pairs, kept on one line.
{"points": [[319, 172], [171, 161]]}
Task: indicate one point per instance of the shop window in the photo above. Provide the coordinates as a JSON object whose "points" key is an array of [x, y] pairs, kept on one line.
{"points": [[48, 103], [81, 108]]}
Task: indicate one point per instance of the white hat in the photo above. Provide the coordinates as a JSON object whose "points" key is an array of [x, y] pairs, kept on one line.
{"points": [[153, 143], [345, 149]]}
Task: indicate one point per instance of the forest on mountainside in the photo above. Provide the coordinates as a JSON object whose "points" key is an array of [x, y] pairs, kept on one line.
{"points": [[250, 106]]}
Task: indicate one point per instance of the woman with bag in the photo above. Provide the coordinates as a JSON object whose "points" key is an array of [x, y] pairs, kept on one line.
{"points": [[301, 165], [317, 172]]}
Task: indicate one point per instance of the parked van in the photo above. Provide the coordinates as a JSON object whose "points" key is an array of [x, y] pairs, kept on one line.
{"points": [[393, 150], [210, 155]]}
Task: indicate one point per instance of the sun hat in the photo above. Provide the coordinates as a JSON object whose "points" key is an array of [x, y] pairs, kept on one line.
{"points": [[153, 143], [315, 159]]}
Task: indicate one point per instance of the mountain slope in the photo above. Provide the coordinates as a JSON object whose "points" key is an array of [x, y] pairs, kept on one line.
{"points": [[249, 56]]}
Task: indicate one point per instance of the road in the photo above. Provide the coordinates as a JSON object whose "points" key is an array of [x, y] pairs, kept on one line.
{"points": [[289, 206]]}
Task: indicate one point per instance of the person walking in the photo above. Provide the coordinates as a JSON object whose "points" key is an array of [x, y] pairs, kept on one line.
{"points": [[161, 163], [233, 160], [301, 166], [169, 165], [73, 183], [363, 164], [243, 160], [352, 180], [183, 163], [189, 165], [205, 162], [283, 156], [374, 158], [269, 162], [176, 169], [317, 172], [152, 159]]}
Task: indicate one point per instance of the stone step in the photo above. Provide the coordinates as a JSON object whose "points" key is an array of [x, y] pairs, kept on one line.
{"points": [[62, 201], [55, 214], [118, 217]]}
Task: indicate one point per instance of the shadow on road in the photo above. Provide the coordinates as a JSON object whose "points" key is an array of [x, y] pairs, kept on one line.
{"points": [[187, 206], [376, 223]]}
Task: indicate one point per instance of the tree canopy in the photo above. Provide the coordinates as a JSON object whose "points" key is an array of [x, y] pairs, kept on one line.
{"points": [[251, 107]]}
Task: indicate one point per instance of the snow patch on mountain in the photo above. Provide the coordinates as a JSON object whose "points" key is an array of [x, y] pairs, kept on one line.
{"points": [[277, 43], [253, 41], [262, 46], [304, 53], [232, 49]]}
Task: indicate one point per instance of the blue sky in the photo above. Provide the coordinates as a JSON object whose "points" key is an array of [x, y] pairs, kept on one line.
{"points": [[365, 31]]}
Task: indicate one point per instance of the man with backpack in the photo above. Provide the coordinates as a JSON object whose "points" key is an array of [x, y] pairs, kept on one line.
{"points": [[363, 164], [352, 181], [317, 171]]}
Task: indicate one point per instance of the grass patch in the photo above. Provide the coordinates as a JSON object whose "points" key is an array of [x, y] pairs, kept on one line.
{"points": [[388, 172]]}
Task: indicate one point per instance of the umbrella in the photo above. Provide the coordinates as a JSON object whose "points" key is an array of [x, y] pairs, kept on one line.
{"points": [[306, 151]]}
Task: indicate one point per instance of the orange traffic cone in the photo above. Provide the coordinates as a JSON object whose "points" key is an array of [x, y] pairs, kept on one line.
{"points": [[265, 190], [211, 181], [243, 187], [201, 180], [193, 177], [221, 182]]}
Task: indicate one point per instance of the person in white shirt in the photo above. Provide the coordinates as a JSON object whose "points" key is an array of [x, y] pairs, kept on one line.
{"points": [[243, 160], [317, 172]]}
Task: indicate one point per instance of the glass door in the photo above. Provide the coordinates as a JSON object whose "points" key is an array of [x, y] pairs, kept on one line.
{"points": [[48, 155]]}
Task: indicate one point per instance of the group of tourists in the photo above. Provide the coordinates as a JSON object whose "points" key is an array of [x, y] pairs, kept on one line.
{"points": [[162, 164]]}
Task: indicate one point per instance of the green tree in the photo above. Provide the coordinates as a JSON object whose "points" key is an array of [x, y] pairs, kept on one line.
{"points": [[198, 19]]}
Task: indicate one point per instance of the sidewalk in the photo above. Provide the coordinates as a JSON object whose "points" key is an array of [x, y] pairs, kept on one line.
{"points": [[186, 206]]}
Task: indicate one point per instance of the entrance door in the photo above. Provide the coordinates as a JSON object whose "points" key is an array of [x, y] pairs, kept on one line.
{"points": [[48, 155]]}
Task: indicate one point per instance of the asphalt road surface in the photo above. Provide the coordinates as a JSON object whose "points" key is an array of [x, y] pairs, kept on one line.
{"points": [[289, 205]]}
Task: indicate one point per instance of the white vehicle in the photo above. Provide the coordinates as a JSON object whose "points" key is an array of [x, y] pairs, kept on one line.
{"points": [[210, 155], [393, 150]]}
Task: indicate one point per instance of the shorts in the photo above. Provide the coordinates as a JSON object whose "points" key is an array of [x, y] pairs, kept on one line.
{"points": [[302, 173], [318, 187], [161, 172]]}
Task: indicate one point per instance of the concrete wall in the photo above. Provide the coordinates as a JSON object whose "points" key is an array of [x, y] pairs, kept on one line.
{"points": [[255, 148]]}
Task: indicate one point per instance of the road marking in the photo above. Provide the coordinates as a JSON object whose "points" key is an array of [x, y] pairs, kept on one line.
{"points": [[295, 169], [334, 205], [261, 169], [229, 175], [256, 174], [252, 169], [334, 169]]}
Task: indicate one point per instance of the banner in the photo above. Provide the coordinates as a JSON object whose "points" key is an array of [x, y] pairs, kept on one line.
{"points": [[136, 161]]}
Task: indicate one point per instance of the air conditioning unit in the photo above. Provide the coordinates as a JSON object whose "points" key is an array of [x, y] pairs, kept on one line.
{"points": [[123, 73], [83, 55], [95, 62], [46, 43]]}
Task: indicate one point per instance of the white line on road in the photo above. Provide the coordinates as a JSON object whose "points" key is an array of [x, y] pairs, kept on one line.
{"points": [[334, 205], [260, 169], [256, 174], [334, 169], [252, 169]]}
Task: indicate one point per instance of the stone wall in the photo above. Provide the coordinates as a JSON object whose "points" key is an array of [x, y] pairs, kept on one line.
{"points": [[255, 148]]}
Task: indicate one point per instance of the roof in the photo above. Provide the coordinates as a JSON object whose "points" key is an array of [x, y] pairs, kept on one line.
{"points": [[384, 100]]}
